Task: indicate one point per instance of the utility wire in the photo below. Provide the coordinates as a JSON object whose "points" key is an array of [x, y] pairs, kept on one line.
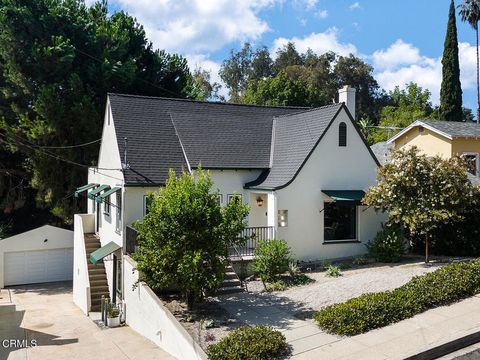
{"points": [[55, 156], [69, 146]]}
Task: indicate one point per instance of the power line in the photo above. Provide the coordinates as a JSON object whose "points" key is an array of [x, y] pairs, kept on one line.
{"points": [[69, 146], [56, 157]]}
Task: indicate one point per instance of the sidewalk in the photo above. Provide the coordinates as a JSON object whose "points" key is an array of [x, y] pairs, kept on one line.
{"points": [[396, 341]]}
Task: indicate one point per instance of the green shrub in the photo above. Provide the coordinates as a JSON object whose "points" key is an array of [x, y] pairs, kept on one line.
{"points": [[388, 245], [370, 311], [276, 286], [359, 261], [272, 258], [333, 271], [250, 343], [344, 265]]}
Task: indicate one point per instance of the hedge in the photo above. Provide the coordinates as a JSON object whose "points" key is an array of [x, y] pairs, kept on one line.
{"points": [[250, 343], [374, 310]]}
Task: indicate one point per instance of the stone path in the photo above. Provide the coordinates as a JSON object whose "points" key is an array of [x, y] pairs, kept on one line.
{"points": [[396, 341]]}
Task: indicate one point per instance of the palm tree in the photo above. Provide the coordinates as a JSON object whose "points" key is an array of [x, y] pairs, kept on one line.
{"points": [[470, 12]]}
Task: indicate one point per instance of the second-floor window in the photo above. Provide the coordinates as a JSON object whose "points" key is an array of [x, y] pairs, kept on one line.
{"points": [[118, 206]]}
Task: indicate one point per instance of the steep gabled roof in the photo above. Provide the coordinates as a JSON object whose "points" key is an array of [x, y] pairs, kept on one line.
{"points": [[166, 133], [447, 129], [295, 138]]}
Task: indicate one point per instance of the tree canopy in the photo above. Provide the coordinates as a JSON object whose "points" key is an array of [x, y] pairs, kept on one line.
{"points": [[184, 238], [421, 193], [307, 79], [58, 60]]}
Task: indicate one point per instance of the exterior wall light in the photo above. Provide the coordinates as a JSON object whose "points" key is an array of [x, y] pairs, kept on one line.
{"points": [[259, 201]]}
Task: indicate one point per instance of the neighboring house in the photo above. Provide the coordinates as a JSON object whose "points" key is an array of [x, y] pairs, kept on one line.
{"points": [[302, 171], [443, 138], [44, 254]]}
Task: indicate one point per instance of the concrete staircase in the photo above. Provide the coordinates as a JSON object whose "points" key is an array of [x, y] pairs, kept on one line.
{"points": [[231, 283], [96, 273]]}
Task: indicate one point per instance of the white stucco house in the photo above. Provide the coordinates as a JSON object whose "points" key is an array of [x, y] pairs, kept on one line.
{"points": [[302, 171]]}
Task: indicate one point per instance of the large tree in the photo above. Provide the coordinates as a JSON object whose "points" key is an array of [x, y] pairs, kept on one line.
{"points": [[183, 240], [470, 12], [407, 105], [451, 89], [58, 60], [421, 193]]}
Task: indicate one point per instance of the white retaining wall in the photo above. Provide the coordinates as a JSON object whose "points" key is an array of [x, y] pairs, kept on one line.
{"points": [[83, 223], [146, 314]]}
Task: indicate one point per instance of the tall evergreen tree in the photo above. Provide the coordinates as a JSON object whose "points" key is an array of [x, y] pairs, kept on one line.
{"points": [[470, 12], [451, 90]]}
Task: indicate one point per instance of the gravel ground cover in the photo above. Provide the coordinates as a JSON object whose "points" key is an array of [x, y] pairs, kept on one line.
{"points": [[353, 282]]}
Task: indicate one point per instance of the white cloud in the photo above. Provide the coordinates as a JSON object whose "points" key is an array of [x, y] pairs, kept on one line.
{"points": [[198, 25], [399, 53], [319, 43], [306, 4], [355, 5], [402, 63], [321, 14]]}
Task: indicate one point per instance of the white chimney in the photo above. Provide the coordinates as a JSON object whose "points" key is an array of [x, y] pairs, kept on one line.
{"points": [[347, 96]]}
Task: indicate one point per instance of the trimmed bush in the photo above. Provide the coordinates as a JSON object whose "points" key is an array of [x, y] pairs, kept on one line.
{"points": [[333, 271], [370, 311], [272, 258], [388, 245], [250, 343]]}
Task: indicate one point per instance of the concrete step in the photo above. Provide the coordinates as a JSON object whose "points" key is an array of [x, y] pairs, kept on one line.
{"points": [[231, 282], [97, 276], [230, 275], [95, 308], [230, 290], [99, 265], [99, 281]]}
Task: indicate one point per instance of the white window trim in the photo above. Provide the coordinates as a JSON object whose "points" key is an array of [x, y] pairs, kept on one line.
{"points": [[118, 220], [231, 196], [476, 161], [106, 207]]}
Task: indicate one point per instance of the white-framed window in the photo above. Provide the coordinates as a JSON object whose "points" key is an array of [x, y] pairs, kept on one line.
{"points": [[147, 200], [118, 206], [106, 206], [339, 221], [472, 162], [237, 197], [220, 199]]}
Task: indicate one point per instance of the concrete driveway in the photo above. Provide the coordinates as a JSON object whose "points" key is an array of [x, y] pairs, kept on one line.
{"points": [[48, 325]]}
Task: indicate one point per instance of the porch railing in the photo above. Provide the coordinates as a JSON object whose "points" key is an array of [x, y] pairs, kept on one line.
{"points": [[130, 240], [254, 235]]}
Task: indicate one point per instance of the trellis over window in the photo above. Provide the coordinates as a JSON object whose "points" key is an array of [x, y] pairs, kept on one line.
{"points": [[342, 134]]}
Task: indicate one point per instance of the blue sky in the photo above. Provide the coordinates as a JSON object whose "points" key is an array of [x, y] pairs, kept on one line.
{"points": [[403, 40]]}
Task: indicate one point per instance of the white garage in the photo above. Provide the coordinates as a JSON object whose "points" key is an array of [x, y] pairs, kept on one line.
{"points": [[41, 255]]}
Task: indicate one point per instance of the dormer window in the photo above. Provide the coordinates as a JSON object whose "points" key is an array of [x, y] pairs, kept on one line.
{"points": [[342, 134]]}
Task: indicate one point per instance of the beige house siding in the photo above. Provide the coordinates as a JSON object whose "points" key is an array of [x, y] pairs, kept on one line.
{"points": [[429, 142]]}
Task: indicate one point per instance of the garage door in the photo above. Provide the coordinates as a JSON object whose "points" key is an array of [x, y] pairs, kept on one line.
{"points": [[29, 267]]}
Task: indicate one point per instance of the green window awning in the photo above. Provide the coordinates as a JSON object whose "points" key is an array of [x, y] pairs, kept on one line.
{"points": [[104, 251], [346, 196], [106, 194], [94, 193], [84, 188]]}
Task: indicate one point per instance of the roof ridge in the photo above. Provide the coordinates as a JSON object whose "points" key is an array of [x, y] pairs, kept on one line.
{"points": [[208, 102], [310, 110]]}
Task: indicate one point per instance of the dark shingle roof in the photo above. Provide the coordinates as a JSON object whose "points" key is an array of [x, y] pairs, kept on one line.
{"points": [[218, 135], [295, 137], [454, 128], [382, 151]]}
